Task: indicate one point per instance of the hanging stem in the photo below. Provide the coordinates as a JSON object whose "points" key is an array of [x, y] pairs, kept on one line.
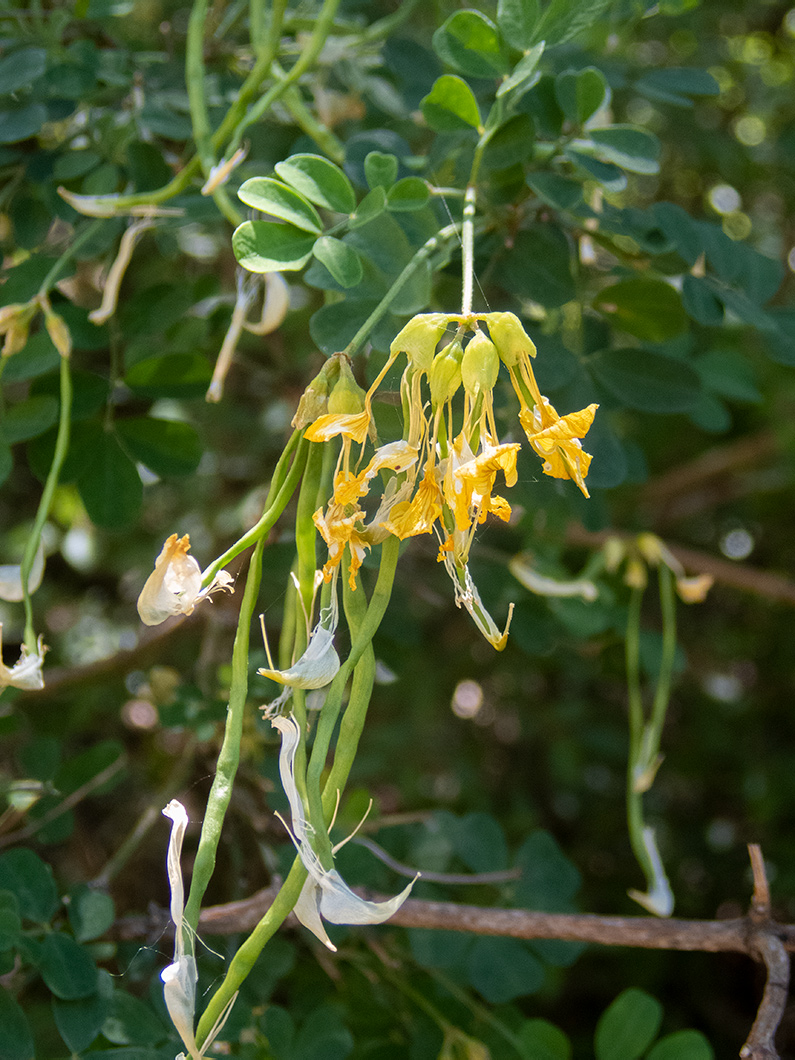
{"points": [[45, 504], [229, 755], [635, 820]]}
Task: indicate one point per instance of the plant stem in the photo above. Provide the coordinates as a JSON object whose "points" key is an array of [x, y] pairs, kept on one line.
{"points": [[51, 278], [635, 823], [45, 504], [229, 755], [435, 243]]}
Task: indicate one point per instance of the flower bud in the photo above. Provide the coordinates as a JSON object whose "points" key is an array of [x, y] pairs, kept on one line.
{"points": [[14, 324], [347, 397], [58, 331], [314, 400], [480, 365], [418, 339], [510, 338], [445, 373]]}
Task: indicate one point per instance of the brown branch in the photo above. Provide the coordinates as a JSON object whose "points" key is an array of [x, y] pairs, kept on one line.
{"points": [[728, 572]]}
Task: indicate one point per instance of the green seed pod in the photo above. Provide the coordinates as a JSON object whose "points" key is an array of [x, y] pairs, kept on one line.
{"points": [[480, 365], [418, 339], [510, 338], [445, 373], [346, 397]]}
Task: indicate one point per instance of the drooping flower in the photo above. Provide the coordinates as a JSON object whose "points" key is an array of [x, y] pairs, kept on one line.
{"points": [[174, 587], [341, 525], [522, 569], [325, 895], [26, 673], [467, 596], [319, 662], [557, 440]]}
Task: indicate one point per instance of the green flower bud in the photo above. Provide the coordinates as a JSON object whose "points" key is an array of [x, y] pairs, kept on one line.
{"points": [[314, 400], [346, 397], [510, 338], [480, 366], [418, 339], [445, 373]]}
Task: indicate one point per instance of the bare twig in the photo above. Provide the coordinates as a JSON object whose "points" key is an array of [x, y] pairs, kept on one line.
{"points": [[760, 901]]}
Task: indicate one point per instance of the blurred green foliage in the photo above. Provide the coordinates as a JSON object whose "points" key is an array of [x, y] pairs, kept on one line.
{"points": [[634, 203]]}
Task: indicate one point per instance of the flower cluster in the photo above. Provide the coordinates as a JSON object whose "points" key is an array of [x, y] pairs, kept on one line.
{"points": [[445, 467]]}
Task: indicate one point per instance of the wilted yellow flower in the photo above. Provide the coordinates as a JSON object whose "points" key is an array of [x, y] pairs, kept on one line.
{"points": [[556, 439], [693, 590], [174, 587]]}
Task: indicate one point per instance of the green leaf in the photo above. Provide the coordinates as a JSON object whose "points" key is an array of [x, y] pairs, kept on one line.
{"points": [[632, 149], [542, 1040], [131, 1022], [90, 913], [651, 310], [502, 969], [525, 73], [549, 880], [21, 68], [650, 382], [610, 176], [517, 19], [471, 44], [318, 180], [380, 170], [110, 486], [479, 841], [6, 460], [559, 192], [81, 768], [89, 392], [564, 19], [324, 1036], [67, 967], [581, 93], [538, 266], [628, 1026], [439, 949], [729, 374], [21, 122], [166, 447], [79, 1022], [410, 193], [677, 85], [701, 302], [10, 921], [16, 1041], [30, 879], [269, 246], [277, 199], [511, 143], [450, 105], [38, 357], [682, 1045], [342, 261], [29, 419], [175, 375], [333, 326], [370, 207]]}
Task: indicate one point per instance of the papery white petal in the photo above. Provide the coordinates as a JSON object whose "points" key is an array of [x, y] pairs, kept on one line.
{"points": [[11, 578], [316, 667], [307, 910], [339, 904], [291, 735], [659, 898], [174, 586], [179, 818], [26, 673], [467, 596], [179, 993]]}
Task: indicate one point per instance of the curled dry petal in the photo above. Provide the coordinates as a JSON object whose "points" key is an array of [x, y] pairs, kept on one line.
{"points": [[180, 977], [325, 895], [26, 673], [174, 587]]}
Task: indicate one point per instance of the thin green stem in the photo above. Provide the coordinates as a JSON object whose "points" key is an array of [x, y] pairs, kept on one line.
{"points": [[45, 504], [246, 956], [310, 52], [662, 693], [635, 822], [195, 77], [282, 487], [435, 243], [303, 117], [79, 240], [229, 755], [468, 228]]}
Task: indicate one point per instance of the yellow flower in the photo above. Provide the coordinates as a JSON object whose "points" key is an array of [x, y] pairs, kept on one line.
{"points": [[417, 516], [339, 529], [556, 439]]}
